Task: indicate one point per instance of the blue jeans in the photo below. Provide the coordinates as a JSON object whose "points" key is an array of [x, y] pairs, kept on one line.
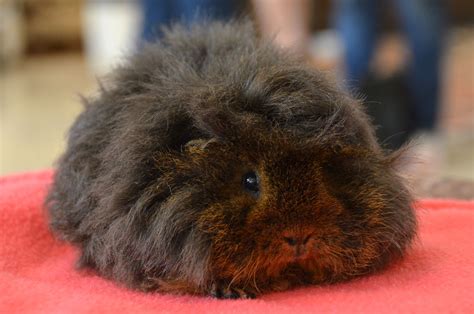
{"points": [[423, 23], [157, 13]]}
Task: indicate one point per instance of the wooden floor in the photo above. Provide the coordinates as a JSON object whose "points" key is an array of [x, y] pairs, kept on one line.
{"points": [[39, 99]]}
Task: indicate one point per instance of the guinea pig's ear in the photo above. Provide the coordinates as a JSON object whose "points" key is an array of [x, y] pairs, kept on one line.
{"points": [[217, 124], [198, 145], [227, 125]]}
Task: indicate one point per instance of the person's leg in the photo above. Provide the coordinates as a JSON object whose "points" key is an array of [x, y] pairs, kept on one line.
{"points": [[356, 20], [190, 10], [286, 22], [423, 22], [155, 14]]}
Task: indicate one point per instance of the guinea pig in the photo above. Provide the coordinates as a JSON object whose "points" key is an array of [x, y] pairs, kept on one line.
{"points": [[213, 163]]}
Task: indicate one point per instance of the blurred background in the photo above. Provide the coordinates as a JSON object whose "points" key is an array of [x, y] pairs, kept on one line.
{"points": [[411, 60]]}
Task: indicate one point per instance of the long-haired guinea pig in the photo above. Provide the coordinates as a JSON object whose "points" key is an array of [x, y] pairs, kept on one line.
{"points": [[216, 164]]}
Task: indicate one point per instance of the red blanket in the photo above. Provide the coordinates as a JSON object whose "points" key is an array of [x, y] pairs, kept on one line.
{"points": [[37, 272]]}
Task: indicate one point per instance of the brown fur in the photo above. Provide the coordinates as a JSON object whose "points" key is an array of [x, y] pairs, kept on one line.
{"points": [[150, 186]]}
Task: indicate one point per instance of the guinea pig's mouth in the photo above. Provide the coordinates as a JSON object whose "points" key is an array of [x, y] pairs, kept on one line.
{"points": [[298, 254], [301, 256]]}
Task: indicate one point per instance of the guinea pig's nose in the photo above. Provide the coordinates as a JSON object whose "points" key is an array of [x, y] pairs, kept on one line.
{"points": [[298, 241]]}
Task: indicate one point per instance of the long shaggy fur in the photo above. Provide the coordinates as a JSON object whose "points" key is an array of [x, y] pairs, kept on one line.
{"points": [[150, 186]]}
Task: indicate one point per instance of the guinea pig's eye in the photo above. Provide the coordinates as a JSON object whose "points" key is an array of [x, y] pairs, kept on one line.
{"points": [[251, 182]]}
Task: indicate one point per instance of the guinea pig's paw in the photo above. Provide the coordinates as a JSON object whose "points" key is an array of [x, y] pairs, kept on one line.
{"points": [[224, 291]]}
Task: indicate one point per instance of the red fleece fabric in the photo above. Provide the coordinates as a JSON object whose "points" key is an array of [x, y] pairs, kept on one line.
{"points": [[37, 272]]}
